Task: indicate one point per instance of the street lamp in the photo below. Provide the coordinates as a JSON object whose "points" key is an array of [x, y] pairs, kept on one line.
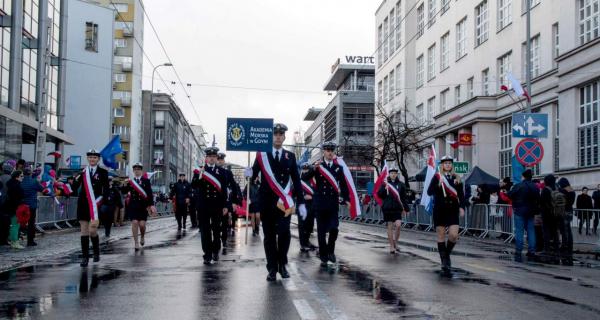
{"points": [[166, 64]]}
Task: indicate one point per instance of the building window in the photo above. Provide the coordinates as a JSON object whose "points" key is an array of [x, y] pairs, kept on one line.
{"points": [[445, 52], [159, 157], [122, 131], [504, 67], [120, 43], [430, 109], [379, 45], [91, 36], [122, 25], [589, 14], [504, 13], [485, 82], [481, 23], [392, 36], [420, 71], [119, 112], [379, 92], [535, 57], [555, 45], [120, 77], [386, 37], [470, 93], [589, 126], [158, 136], [420, 115], [457, 97], [533, 4], [505, 155], [461, 38], [431, 63], [159, 118], [398, 24], [420, 20], [444, 100], [392, 84], [432, 12], [386, 90], [445, 6], [399, 78], [121, 7]]}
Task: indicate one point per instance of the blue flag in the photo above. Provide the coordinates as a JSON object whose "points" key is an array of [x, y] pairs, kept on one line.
{"points": [[305, 156], [517, 170], [109, 152]]}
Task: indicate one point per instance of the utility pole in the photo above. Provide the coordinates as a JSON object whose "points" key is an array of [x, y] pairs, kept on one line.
{"points": [[528, 55]]}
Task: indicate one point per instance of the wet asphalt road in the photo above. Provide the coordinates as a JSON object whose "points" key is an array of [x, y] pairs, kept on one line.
{"points": [[167, 280]]}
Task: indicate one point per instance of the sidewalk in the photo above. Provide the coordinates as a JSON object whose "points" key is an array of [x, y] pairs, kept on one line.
{"points": [[64, 242]]}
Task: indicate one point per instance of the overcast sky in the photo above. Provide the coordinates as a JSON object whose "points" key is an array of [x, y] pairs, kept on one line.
{"points": [[271, 44]]}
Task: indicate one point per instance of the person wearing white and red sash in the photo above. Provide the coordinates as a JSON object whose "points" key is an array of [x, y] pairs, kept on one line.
{"points": [[92, 185], [141, 203], [306, 225], [330, 187], [394, 205], [212, 205], [278, 169], [448, 204]]}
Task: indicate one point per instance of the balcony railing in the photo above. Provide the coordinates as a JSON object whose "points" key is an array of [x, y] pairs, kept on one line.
{"points": [[159, 142], [125, 101], [159, 123]]}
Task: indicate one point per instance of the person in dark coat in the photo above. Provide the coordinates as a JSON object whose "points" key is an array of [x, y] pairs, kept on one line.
{"points": [[93, 188], [15, 197], [525, 197], [584, 210], [277, 168], [394, 206], [549, 221], [233, 200], [564, 222], [596, 198], [31, 188], [306, 225], [181, 193], [254, 205], [7, 169], [448, 204], [141, 203]]}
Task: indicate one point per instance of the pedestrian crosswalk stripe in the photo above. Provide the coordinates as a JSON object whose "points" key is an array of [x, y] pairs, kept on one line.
{"points": [[304, 310]]}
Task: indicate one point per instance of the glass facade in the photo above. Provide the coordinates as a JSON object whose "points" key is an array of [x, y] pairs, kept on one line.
{"points": [[5, 6]]}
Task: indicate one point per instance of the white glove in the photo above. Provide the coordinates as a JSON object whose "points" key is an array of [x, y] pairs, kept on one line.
{"points": [[248, 172], [302, 211]]}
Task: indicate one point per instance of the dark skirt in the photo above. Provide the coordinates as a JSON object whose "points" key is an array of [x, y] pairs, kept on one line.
{"points": [[445, 218], [391, 216], [139, 215], [254, 207]]}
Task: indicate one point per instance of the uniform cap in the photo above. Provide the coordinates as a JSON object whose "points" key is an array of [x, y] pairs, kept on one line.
{"points": [[221, 155], [329, 145], [211, 151], [93, 152], [447, 158], [138, 165], [393, 168], [279, 128], [305, 165]]}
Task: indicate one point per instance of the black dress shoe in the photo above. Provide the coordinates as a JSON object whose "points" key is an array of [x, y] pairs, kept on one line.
{"points": [[304, 249], [323, 263], [96, 258], [284, 273], [224, 251], [216, 256], [32, 244], [332, 258], [84, 262], [207, 261], [312, 246], [272, 276]]}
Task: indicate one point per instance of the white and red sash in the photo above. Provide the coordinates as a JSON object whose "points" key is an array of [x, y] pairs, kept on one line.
{"points": [[288, 191], [330, 178], [394, 192], [354, 201], [448, 188], [307, 188], [212, 180], [267, 172], [93, 202], [138, 188]]}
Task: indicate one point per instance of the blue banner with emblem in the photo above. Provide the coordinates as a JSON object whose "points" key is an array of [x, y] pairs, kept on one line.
{"points": [[249, 134]]}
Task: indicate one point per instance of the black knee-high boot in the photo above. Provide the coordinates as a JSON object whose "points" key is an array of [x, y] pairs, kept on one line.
{"points": [[85, 251], [443, 255], [449, 247], [96, 248]]}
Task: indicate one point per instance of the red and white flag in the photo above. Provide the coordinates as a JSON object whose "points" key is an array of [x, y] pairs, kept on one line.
{"points": [[354, 201], [516, 86], [426, 200], [379, 182]]}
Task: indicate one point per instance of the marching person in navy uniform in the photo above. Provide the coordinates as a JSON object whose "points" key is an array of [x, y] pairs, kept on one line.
{"points": [[141, 202], [233, 198], [306, 225], [330, 189], [448, 204], [394, 206], [181, 192], [92, 185], [280, 187], [211, 185]]}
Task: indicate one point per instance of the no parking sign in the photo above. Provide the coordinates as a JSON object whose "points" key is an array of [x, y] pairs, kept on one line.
{"points": [[529, 152]]}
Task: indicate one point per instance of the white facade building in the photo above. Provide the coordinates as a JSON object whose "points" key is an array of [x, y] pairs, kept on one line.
{"points": [[88, 67], [454, 57]]}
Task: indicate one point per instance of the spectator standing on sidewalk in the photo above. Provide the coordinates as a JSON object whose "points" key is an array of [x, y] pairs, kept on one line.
{"points": [[596, 198], [553, 206], [525, 200], [31, 188], [564, 221], [15, 197], [4, 216], [584, 203]]}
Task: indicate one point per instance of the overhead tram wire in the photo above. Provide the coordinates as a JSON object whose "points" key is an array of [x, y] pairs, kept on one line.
{"points": [[169, 58]]}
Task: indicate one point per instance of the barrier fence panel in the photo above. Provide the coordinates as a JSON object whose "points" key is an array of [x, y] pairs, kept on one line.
{"points": [[424, 219], [478, 220], [501, 220]]}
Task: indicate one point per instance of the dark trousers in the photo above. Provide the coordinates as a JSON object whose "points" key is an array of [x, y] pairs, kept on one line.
{"points": [[550, 234], [224, 227], [596, 220], [276, 230], [4, 227], [306, 226], [181, 214], [194, 215], [107, 217], [585, 216], [31, 225], [566, 234], [327, 222], [210, 230]]}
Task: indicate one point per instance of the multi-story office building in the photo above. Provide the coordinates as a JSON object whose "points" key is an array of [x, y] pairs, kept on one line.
{"points": [[31, 77], [448, 60], [200, 135], [348, 119], [127, 76], [88, 68], [169, 143]]}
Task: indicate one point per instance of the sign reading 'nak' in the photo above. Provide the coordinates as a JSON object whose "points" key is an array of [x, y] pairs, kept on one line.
{"points": [[249, 134]]}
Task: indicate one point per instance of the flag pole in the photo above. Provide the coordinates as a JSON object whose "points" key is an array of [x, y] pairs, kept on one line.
{"points": [[247, 200]]}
